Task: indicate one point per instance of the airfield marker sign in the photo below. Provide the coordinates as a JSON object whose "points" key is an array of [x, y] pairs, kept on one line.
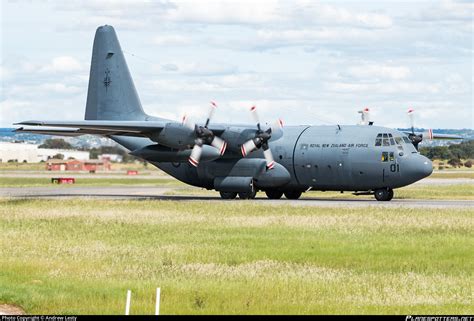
{"points": [[157, 306], [127, 304]]}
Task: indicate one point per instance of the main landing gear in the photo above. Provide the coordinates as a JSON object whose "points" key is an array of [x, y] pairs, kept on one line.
{"points": [[383, 194], [271, 194], [275, 195]]}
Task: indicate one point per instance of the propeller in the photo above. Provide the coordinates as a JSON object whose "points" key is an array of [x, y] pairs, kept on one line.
{"points": [[364, 116], [204, 136], [415, 139], [261, 139]]}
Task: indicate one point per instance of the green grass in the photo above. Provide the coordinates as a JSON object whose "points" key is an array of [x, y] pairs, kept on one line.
{"points": [[80, 256], [87, 181], [453, 174]]}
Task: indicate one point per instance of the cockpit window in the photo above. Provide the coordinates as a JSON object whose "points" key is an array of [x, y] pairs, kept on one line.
{"points": [[398, 140], [385, 141], [406, 140], [378, 140]]}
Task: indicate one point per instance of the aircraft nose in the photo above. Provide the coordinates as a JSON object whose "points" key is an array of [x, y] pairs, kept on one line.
{"points": [[421, 167]]}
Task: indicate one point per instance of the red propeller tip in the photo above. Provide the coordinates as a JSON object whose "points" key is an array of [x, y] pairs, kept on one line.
{"points": [[271, 165], [366, 109], [193, 162], [223, 148], [280, 122], [253, 108], [244, 152], [213, 103], [411, 110]]}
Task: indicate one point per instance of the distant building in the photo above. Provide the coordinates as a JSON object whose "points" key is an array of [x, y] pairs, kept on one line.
{"points": [[92, 165], [30, 153], [112, 157], [46, 153], [11, 152]]}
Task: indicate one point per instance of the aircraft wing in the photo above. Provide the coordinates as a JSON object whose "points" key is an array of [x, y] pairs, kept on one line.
{"points": [[94, 127]]}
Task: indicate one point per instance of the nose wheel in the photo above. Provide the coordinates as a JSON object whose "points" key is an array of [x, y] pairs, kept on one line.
{"points": [[383, 194]]}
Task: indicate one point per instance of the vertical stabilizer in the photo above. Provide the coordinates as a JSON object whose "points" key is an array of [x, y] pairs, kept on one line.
{"points": [[111, 94]]}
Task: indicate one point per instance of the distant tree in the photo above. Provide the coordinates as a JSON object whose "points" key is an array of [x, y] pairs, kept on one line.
{"points": [[468, 163], [58, 156], [126, 158], [455, 162], [56, 143]]}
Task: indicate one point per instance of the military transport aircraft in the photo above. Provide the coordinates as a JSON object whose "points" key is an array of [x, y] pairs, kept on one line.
{"points": [[239, 159]]}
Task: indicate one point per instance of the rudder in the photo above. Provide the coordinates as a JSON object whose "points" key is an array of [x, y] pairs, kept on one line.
{"points": [[111, 94]]}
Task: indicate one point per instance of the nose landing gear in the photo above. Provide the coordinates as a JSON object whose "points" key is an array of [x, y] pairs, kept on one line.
{"points": [[383, 194]]}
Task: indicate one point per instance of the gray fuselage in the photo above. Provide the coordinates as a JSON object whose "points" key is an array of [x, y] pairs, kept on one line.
{"points": [[341, 158]]}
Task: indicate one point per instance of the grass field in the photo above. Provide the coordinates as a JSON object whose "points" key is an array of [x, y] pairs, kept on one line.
{"points": [[80, 256]]}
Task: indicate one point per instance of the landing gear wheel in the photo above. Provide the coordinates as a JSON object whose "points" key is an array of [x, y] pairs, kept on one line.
{"points": [[293, 195], [248, 195], [228, 195], [383, 194], [274, 195]]}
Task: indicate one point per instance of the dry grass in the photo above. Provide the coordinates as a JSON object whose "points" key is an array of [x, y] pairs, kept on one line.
{"points": [[80, 256]]}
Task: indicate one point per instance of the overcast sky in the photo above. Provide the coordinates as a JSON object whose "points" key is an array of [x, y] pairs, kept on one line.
{"points": [[307, 62]]}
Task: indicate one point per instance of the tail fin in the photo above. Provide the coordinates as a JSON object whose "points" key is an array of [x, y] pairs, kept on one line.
{"points": [[111, 94]]}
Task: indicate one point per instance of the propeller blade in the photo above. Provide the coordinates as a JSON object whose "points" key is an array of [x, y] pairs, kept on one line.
{"points": [[248, 147], [195, 155], [411, 116], [364, 116], [212, 108], [220, 144], [253, 110], [269, 158], [277, 127], [186, 122]]}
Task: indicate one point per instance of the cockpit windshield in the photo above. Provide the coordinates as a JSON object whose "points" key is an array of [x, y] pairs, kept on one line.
{"points": [[387, 139]]}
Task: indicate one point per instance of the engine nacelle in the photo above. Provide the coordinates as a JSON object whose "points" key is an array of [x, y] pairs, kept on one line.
{"points": [[174, 135], [158, 153]]}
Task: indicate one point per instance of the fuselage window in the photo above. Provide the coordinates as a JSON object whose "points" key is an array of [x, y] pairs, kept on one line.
{"points": [[406, 140], [386, 142], [392, 157], [378, 140], [384, 156]]}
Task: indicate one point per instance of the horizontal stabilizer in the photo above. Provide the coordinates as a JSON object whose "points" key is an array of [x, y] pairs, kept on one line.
{"points": [[105, 128]]}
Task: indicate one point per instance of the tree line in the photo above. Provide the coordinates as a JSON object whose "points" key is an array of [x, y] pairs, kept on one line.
{"points": [[464, 150]]}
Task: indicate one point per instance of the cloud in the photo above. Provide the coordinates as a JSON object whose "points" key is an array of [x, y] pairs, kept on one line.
{"points": [[224, 12], [197, 68], [449, 10], [63, 64], [315, 13], [171, 40], [397, 87], [379, 71], [308, 37]]}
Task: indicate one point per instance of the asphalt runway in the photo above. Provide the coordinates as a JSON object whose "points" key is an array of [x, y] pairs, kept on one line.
{"points": [[157, 193]]}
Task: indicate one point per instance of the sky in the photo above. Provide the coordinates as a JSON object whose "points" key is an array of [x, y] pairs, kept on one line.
{"points": [[304, 61]]}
